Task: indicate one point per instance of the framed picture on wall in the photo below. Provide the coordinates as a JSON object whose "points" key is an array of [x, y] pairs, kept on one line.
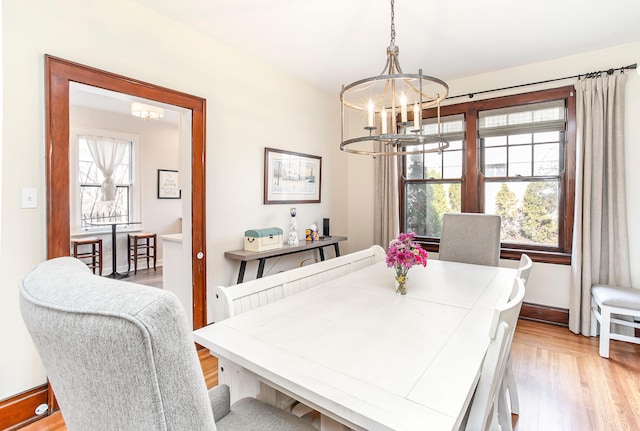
{"points": [[291, 177], [168, 184]]}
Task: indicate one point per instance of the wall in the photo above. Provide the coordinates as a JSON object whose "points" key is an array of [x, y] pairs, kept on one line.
{"points": [[250, 106]]}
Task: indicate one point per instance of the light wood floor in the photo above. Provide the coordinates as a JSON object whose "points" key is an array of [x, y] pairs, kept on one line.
{"points": [[563, 383]]}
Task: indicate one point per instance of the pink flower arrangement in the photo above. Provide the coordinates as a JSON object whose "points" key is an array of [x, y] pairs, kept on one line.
{"points": [[403, 253]]}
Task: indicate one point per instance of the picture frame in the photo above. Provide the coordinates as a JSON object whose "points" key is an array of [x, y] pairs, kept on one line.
{"points": [[291, 177], [168, 184]]}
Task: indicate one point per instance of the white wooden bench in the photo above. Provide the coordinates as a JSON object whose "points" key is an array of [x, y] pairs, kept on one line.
{"points": [[239, 298]]}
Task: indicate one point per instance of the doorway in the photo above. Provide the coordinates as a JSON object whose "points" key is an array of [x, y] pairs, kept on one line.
{"points": [[59, 74]]}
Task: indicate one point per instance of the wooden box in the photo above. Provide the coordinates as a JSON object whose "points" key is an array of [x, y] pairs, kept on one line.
{"points": [[263, 239]]}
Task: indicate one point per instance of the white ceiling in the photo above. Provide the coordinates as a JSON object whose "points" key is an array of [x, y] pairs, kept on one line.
{"points": [[335, 42]]}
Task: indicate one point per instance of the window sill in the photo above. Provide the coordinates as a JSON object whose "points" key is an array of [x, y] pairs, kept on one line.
{"points": [[541, 256]]}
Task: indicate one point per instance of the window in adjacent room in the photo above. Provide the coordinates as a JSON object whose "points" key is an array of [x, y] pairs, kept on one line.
{"points": [[104, 187]]}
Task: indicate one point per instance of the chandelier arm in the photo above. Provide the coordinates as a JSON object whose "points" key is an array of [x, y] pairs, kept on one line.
{"points": [[386, 67]]}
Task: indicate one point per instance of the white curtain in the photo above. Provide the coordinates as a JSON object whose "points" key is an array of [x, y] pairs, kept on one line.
{"points": [[386, 222], [107, 153], [600, 240]]}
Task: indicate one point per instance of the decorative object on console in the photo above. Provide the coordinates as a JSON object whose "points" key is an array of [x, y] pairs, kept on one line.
{"points": [[384, 98], [325, 228], [311, 234], [263, 239], [403, 253], [293, 228]]}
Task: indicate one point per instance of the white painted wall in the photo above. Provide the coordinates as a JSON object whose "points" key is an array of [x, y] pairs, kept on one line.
{"points": [[249, 106]]}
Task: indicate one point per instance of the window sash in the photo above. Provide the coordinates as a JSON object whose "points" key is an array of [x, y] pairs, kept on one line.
{"points": [[473, 178]]}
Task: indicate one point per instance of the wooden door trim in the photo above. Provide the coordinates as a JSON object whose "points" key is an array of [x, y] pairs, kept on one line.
{"points": [[59, 74]]}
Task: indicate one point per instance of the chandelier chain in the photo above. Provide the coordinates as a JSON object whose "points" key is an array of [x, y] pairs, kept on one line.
{"points": [[393, 24]]}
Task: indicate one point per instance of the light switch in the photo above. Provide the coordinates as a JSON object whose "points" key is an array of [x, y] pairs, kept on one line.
{"points": [[29, 198]]}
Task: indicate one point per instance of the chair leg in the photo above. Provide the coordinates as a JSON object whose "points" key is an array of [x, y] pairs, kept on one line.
{"points": [[135, 255], [146, 246], [504, 415], [128, 253], [100, 257], [155, 255], [510, 381], [605, 329], [94, 261]]}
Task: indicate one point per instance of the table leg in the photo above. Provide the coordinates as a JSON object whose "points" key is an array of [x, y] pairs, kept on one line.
{"points": [[321, 251], [337, 248], [243, 266], [261, 267], [114, 273]]}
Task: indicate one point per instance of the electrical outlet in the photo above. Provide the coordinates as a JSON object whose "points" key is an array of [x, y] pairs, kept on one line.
{"points": [[29, 198]]}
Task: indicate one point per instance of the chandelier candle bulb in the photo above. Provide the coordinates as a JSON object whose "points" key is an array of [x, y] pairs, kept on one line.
{"points": [[383, 121], [370, 122], [403, 108], [416, 115]]}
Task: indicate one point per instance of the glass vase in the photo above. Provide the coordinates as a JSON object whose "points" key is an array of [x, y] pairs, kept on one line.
{"points": [[401, 281]]}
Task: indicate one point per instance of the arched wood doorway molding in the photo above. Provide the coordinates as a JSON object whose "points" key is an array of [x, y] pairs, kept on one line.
{"points": [[59, 73]]}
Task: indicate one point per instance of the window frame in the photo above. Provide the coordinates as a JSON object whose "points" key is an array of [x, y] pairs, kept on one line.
{"points": [[134, 187], [472, 182]]}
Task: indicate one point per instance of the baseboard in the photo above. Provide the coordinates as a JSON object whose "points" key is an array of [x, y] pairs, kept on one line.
{"points": [[19, 410], [545, 314]]}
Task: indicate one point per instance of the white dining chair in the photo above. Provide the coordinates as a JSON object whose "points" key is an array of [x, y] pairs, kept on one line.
{"points": [[470, 238], [524, 269], [608, 305], [509, 387], [483, 413]]}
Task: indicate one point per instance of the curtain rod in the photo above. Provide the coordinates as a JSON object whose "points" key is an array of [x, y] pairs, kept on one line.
{"points": [[584, 75]]}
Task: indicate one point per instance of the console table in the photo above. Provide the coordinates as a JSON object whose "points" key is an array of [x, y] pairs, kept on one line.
{"points": [[261, 256]]}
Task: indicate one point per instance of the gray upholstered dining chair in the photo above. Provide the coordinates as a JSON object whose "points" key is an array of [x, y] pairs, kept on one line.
{"points": [[483, 414], [470, 238], [121, 356]]}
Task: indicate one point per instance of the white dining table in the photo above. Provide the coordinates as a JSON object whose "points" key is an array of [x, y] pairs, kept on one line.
{"points": [[362, 355]]}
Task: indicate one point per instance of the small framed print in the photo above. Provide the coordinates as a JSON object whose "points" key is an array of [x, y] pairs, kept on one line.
{"points": [[168, 184], [291, 177]]}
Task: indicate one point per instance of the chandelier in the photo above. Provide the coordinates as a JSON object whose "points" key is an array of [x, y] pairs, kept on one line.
{"points": [[375, 121], [146, 112]]}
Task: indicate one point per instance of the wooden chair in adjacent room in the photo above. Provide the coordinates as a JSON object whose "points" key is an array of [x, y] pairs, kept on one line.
{"points": [[141, 245], [88, 250]]}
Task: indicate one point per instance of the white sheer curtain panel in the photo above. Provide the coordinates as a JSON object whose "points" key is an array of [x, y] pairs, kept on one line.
{"points": [[386, 222], [107, 153], [600, 252]]}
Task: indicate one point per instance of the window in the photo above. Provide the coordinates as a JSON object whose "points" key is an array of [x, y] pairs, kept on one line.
{"points": [[512, 156], [92, 202], [434, 180]]}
